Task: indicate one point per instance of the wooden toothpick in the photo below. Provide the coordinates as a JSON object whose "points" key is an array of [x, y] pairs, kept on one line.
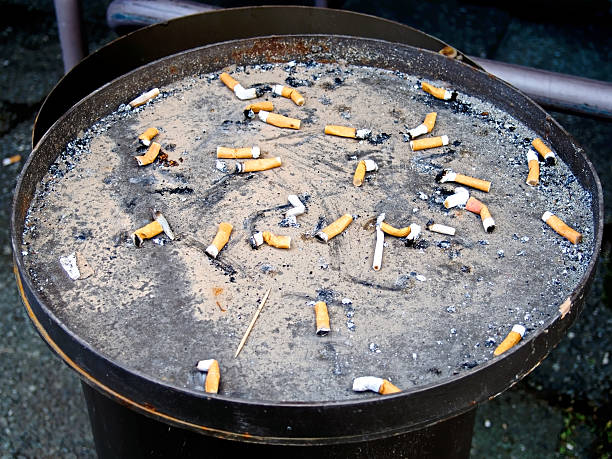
{"points": [[246, 334]]}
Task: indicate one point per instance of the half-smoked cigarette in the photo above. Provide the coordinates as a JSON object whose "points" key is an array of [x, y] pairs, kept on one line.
{"points": [[289, 93], [448, 175], [562, 228], [475, 206], [374, 384], [221, 238], [345, 131], [238, 153], [11, 160], [241, 93], [157, 226], [279, 120], [335, 228], [321, 318], [146, 137], [259, 106], [144, 98], [517, 333], [429, 142], [438, 93], [365, 165], [533, 178], [150, 155], [255, 165], [280, 242], [545, 151], [424, 128], [442, 229], [213, 375], [380, 242], [459, 198]]}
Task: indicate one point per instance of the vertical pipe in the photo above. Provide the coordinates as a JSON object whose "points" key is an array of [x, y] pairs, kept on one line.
{"points": [[72, 39]]}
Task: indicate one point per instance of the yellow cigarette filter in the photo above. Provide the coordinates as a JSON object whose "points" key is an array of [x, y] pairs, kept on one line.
{"points": [[11, 160], [448, 175], [147, 136], [438, 93], [477, 207], [144, 98], [562, 228], [429, 142], [228, 80], [366, 165], [157, 226], [321, 318], [424, 128], [335, 228], [345, 131], [517, 333], [374, 384], [213, 375], [239, 91], [259, 106], [255, 165], [289, 93], [448, 51], [397, 232], [545, 151], [221, 238], [533, 178], [279, 120], [280, 242], [238, 153], [150, 155]]}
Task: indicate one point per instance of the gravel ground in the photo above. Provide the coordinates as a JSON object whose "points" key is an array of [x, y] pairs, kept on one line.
{"points": [[562, 409]]}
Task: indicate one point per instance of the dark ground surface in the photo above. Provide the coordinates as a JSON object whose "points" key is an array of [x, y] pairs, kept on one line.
{"points": [[561, 409]]}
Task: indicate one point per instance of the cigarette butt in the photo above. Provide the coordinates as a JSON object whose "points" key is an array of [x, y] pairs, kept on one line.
{"points": [[279, 120], [562, 228], [147, 232], [374, 384], [533, 178], [221, 238], [429, 142], [388, 388], [341, 131], [239, 91], [150, 155], [474, 205], [229, 81], [442, 229], [11, 160], [425, 127], [259, 106], [321, 318], [297, 98], [144, 98], [213, 375], [255, 165], [459, 198], [280, 242], [359, 175], [517, 333], [335, 228], [147, 136], [438, 93], [545, 151], [380, 242], [479, 184], [238, 153], [397, 232], [487, 221], [289, 93], [298, 207]]}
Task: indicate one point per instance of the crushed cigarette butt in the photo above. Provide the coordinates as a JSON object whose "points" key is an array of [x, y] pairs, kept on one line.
{"points": [[150, 155], [279, 120], [365, 165], [442, 229], [157, 226], [561, 228], [545, 151], [239, 91], [289, 93], [221, 238], [11, 160], [298, 207], [459, 198], [374, 384], [335, 228], [144, 98], [380, 241], [533, 178], [76, 266], [321, 318], [280, 242], [429, 142], [511, 340], [425, 127], [238, 153], [438, 93], [213, 375], [255, 165], [447, 175], [148, 135], [344, 131]]}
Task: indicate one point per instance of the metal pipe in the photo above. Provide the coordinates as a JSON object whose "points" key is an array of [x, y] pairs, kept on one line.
{"points": [[555, 90], [72, 38]]}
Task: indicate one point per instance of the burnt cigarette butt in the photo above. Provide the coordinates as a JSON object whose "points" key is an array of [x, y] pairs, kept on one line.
{"points": [[459, 198], [279, 120], [366, 165], [335, 228], [213, 375], [321, 318], [146, 137], [289, 93], [545, 151], [228, 80], [397, 232], [517, 333], [447, 175], [533, 178], [146, 232], [280, 242], [340, 131], [238, 153], [374, 384], [562, 228], [380, 243], [442, 229], [255, 165], [425, 127], [487, 221], [438, 93], [11, 160], [150, 155], [221, 238], [144, 98], [429, 142], [259, 106]]}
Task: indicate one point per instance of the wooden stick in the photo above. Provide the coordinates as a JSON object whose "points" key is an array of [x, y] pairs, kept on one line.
{"points": [[246, 334]]}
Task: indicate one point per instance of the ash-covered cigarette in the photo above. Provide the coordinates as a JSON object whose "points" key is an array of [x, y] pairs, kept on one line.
{"points": [[157, 226], [374, 384], [213, 375], [289, 93], [239, 91], [144, 98], [549, 157], [561, 228], [511, 340], [429, 142], [345, 131], [279, 120], [221, 238], [447, 175]]}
